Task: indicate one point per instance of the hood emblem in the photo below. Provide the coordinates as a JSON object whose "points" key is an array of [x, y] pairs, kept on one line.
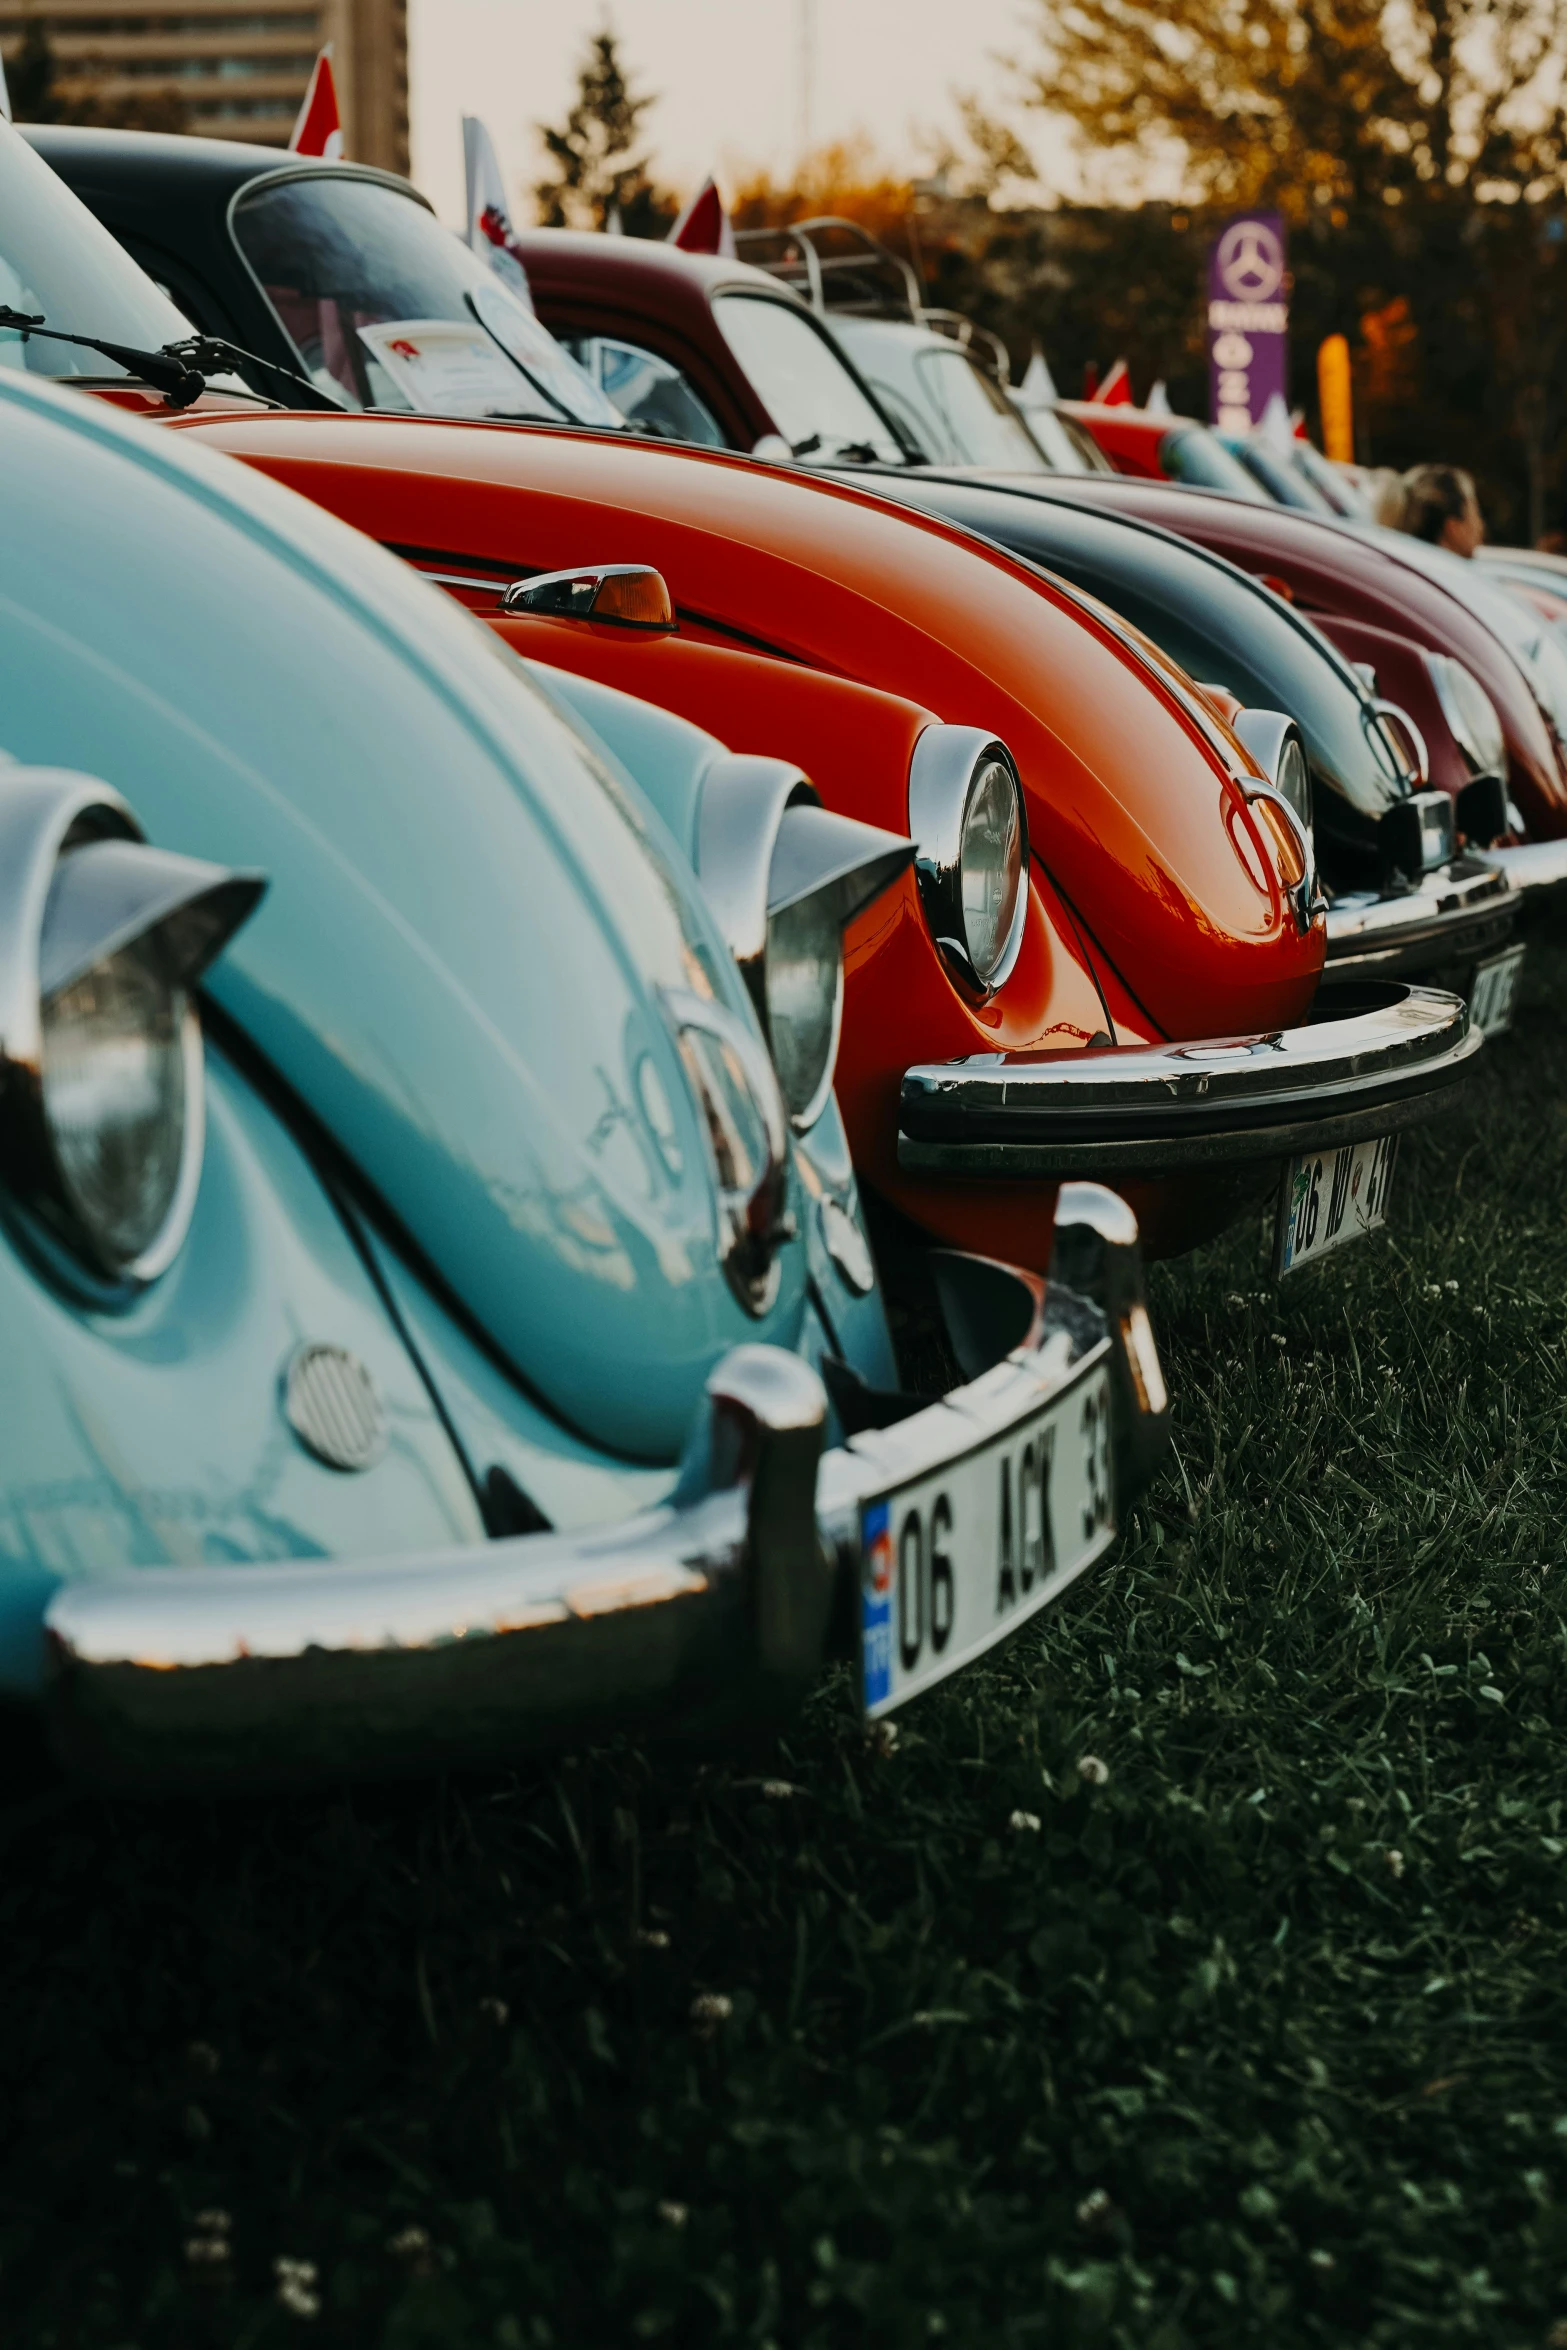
{"points": [[334, 1407]]}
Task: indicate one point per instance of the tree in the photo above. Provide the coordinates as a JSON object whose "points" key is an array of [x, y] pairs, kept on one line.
{"points": [[1419, 153], [1315, 105], [39, 95], [599, 178]]}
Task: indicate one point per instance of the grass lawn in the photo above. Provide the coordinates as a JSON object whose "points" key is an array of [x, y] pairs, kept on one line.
{"points": [[1193, 1972]]}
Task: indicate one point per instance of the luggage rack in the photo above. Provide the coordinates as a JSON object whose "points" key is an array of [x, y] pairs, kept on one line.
{"points": [[838, 265]]}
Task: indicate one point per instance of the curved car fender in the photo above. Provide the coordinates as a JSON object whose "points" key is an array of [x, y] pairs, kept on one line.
{"points": [[459, 962], [1130, 808]]}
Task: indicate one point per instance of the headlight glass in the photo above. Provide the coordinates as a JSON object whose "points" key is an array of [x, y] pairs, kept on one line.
{"points": [[804, 1003], [1471, 713], [114, 1102], [1294, 779], [991, 867]]}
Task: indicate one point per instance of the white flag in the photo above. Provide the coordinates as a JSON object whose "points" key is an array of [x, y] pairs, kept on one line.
{"points": [[1038, 385], [490, 232]]}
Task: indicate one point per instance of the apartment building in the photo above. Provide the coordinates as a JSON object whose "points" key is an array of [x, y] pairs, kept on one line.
{"points": [[238, 68]]}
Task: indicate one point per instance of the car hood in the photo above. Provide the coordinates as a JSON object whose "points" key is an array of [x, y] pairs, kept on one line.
{"points": [[460, 966], [1130, 805]]}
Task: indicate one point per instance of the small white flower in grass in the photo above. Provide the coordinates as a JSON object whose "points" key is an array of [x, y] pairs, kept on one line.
{"points": [[206, 2251], [674, 2215], [1451, 1287], [296, 2286], [410, 2243], [1025, 1823], [778, 1790], [494, 2011], [1094, 2209], [651, 1938], [1432, 1288], [1395, 1861], [884, 1737], [1321, 2259], [709, 2009], [1279, 1338], [1092, 1771]]}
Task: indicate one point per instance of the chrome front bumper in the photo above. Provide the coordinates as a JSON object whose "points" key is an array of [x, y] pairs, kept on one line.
{"points": [[716, 1609], [1462, 910], [1532, 872], [1375, 1056]]}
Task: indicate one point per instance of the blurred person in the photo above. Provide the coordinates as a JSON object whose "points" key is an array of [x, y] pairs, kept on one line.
{"points": [[1442, 507]]}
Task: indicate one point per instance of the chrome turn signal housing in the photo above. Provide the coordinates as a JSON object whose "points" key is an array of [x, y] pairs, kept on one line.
{"points": [[626, 595], [102, 941]]}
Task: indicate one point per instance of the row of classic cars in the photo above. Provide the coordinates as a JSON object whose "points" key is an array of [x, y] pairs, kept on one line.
{"points": [[477, 1337]]}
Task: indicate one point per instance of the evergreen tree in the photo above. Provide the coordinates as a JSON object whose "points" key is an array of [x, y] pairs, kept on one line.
{"points": [[600, 180]]}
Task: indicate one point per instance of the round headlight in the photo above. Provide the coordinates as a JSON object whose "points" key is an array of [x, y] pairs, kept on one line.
{"points": [[1293, 779], [804, 993], [121, 1089], [1471, 713], [990, 864], [966, 811]]}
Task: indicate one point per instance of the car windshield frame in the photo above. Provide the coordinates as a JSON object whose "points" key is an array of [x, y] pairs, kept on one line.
{"points": [[1019, 451], [88, 285], [811, 446], [491, 337]]}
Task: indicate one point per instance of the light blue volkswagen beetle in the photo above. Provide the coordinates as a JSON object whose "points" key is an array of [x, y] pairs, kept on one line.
{"points": [[460, 1334]]}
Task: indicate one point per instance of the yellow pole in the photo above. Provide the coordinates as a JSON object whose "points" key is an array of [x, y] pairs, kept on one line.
{"points": [[1336, 398]]}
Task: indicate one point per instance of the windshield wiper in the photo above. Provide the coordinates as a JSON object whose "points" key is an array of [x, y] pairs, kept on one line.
{"points": [[178, 370]]}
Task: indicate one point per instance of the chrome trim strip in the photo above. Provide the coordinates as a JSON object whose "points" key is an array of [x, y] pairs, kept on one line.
{"points": [[1378, 1056]]}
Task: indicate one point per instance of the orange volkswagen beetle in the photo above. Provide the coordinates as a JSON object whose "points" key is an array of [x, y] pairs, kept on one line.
{"points": [[1107, 954]]}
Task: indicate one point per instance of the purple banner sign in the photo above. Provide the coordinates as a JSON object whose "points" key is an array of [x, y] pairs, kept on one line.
{"points": [[1248, 320]]}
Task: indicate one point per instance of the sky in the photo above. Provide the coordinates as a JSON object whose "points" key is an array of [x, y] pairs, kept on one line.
{"points": [[727, 74]]}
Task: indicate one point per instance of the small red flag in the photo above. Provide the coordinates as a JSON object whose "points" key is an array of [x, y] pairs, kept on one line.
{"points": [[704, 227], [1116, 390], [319, 129]]}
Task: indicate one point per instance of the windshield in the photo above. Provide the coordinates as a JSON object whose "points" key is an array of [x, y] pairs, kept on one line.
{"points": [[977, 413], [387, 309], [1056, 445], [58, 263], [1333, 482], [650, 393], [803, 384], [1281, 479], [1199, 458]]}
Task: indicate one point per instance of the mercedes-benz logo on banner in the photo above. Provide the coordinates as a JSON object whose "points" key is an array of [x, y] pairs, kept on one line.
{"points": [[1250, 261]]}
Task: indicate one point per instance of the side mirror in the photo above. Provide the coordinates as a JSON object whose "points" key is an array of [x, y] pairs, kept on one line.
{"points": [[772, 449], [627, 595]]}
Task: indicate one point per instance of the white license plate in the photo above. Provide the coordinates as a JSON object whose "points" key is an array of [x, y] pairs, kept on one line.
{"points": [[1331, 1197], [954, 1561], [1495, 991]]}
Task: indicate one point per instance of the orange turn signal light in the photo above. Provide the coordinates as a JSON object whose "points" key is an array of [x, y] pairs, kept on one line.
{"points": [[628, 595]]}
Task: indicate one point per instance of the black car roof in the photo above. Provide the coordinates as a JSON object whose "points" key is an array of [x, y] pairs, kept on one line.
{"points": [[150, 169]]}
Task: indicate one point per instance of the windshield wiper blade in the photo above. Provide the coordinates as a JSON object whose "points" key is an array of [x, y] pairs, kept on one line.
{"points": [[178, 370]]}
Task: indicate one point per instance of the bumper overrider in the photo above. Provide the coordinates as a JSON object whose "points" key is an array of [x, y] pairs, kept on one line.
{"points": [[715, 1610], [1375, 1056]]}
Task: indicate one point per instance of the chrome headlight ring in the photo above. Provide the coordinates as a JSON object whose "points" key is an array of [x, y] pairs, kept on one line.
{"points": [[102, 941], [962, 780]]}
